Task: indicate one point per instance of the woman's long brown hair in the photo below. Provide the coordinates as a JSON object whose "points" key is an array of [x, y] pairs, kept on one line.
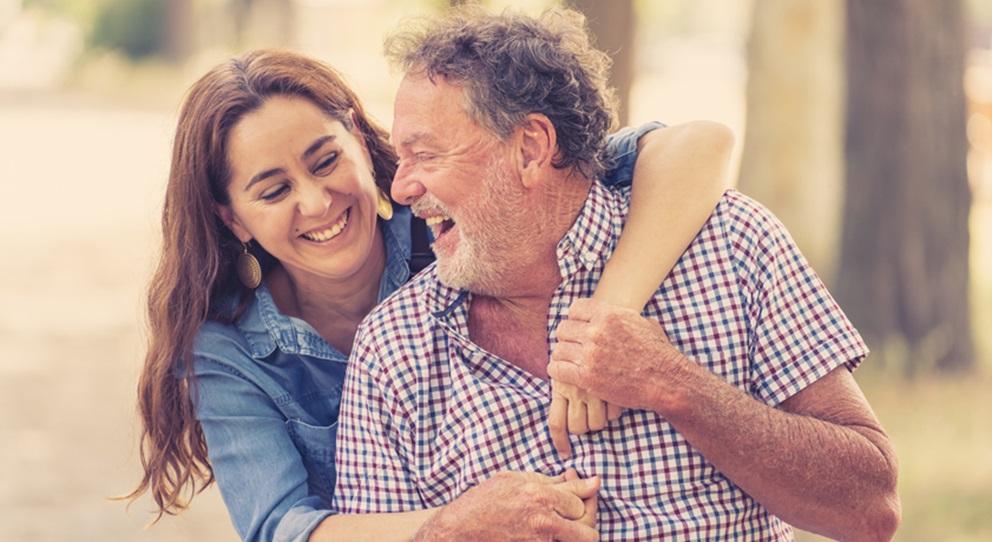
{"points": [[195, 280]]}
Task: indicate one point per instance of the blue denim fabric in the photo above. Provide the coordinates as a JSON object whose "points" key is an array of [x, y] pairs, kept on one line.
{"points": [[267, 395], [622, 148], [268, 389]]}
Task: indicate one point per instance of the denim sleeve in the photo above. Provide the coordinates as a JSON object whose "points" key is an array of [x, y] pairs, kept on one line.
{"points": [[621, 149], [260, 473]]}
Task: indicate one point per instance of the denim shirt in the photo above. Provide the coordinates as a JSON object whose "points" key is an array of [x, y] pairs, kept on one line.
{"points": [[268, 389]]}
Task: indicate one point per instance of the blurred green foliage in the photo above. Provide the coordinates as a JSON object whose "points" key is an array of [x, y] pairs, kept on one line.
{"points": [[134, 27]]}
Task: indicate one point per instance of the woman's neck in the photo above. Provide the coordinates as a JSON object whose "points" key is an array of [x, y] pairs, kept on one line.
{"points": [[333, 306]]}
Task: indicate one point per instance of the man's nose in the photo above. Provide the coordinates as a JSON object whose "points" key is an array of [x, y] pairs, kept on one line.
{"points": [[405, 188], [314, 199]]}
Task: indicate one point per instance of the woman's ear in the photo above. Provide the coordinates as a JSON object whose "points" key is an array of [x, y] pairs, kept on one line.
{"points": [[537, 144], [227, 216]]}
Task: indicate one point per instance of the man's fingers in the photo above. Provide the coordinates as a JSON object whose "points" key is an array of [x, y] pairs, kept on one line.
{"points": [[583, 309], [558, 425], [567, 504], [577, 418], [596, 409], [572, 531], [613, 412], [592, 507], [583, 488], [539, 478], [563, 372], [567, 351], [572, 331]]}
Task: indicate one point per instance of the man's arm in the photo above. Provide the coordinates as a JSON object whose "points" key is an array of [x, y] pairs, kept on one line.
{"points": [[821, 462], [801, 439]]}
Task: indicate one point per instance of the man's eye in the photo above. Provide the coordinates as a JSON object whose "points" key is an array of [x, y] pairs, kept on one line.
{"points": [[326, 163], [275, 192]]}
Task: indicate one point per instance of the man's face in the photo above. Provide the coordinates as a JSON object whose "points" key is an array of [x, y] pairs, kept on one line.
{"points": [[459, 176]]}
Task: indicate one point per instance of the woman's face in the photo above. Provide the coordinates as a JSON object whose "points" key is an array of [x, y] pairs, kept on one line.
{"points": [[302, 187]]}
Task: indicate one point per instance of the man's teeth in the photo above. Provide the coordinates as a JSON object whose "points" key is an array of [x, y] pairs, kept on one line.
{"points": [[329, 233], [435, 220]]}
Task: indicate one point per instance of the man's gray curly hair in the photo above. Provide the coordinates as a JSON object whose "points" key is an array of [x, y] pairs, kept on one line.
{"points": [[511, 65]]}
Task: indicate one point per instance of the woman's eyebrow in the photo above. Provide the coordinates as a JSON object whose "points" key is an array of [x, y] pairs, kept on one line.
{"points": [[264, 175], [316, 145]]}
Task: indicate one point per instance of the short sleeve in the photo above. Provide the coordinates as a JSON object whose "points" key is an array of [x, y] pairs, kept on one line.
{"points": [[372, 462], [796, 331], [621, 150]]}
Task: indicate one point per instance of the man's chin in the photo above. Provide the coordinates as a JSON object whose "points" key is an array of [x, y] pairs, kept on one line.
{"points": [[460, 275], [451, 275]]}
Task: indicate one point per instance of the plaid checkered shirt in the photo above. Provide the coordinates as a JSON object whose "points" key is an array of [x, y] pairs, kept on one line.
{"points": [[427, 413]]}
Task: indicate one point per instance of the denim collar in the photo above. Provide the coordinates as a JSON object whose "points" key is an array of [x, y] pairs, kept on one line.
{"points": [[266, 329]]}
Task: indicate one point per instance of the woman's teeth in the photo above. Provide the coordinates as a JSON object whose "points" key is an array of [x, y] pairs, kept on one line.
{"points": [[326, 235]]}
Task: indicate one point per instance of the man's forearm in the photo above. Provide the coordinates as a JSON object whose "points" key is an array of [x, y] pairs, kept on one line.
{"points": [[817, 474]]}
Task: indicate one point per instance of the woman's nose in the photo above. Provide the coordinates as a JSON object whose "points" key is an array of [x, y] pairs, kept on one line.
{"points": [[315, 199]]}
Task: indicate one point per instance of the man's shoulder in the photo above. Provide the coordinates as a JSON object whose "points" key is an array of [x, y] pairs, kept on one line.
{"points": [[402, 318], [408, 303], [750, 229]]}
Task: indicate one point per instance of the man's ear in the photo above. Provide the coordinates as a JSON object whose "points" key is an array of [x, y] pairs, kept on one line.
{"points": [[226, 215], [537, 143]]}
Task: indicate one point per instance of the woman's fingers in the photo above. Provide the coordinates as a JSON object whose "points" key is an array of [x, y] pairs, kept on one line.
{"points": [[578, 417], [558, 423], [613, 412], [596, 409]]}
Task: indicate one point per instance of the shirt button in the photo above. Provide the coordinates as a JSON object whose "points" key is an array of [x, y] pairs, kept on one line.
{"points": [[589, 257]]}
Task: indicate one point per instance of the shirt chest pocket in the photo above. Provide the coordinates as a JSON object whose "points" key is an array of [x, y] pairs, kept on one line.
{"points": [[316, 445]]}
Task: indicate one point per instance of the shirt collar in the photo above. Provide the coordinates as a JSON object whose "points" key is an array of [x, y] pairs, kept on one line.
{"points": [[588, 243]]}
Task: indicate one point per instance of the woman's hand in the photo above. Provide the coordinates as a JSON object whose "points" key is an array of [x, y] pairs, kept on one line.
{"points": [[574, 410]]}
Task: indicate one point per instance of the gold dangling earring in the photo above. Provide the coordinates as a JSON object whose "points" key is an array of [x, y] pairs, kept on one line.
{"points": [[385, 207], [249, 270]]}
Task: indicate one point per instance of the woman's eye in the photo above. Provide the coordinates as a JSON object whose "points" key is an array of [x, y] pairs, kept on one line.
{"points": [[326, 163], [275, 192]]}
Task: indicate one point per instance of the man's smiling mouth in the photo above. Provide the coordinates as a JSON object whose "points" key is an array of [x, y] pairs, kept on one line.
{"points": [[439, 224]]}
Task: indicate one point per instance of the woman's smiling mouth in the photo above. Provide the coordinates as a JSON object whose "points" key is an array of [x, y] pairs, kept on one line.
{"points": [[324, 234]]}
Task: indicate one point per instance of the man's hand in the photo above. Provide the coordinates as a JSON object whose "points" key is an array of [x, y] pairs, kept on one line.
{"points": [[520, 506], [616, 354]]}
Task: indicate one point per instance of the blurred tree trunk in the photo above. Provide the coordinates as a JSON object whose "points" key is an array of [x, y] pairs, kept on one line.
{"points": [[179, 35], [904, 260], [793, 159], [612, 25]]}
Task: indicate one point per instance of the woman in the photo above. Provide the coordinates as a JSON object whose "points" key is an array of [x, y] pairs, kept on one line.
{"points": [[279, 176]]}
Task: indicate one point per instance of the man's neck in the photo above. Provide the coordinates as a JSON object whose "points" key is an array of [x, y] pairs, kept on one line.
{"points": [[512, 323]]}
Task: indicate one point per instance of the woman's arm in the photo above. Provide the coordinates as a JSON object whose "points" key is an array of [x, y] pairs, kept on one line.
{"points": [[397, 526], [679, 177]]}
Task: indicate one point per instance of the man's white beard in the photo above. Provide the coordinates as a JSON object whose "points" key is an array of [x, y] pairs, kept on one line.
{"points": [[484, 259]]}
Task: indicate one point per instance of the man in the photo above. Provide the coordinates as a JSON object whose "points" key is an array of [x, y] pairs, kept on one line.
{"points": [[743, 415]]}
